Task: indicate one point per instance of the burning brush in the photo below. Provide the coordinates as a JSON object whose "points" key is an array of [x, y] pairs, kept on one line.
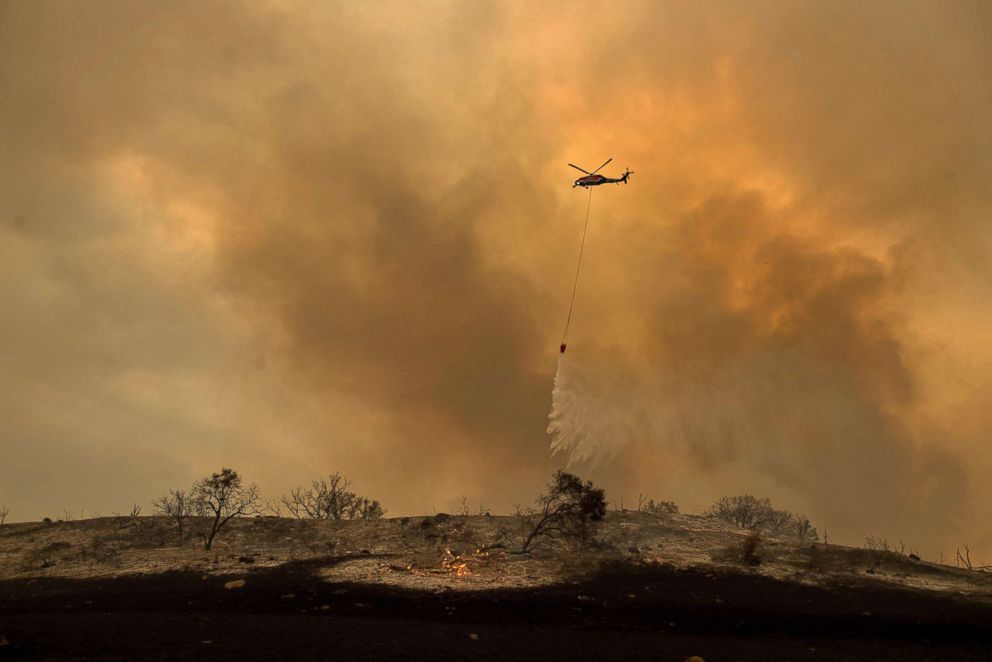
{"points": [[454, 564]]}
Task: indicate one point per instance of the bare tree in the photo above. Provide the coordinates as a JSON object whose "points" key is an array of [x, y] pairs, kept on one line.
{"points": [[4, 511], [745, 511], [177, 505], [754, 514], [876, 543], [330, 498], [566, 510], [222, 497]]}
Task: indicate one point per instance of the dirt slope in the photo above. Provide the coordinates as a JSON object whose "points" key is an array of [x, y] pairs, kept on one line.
{"points": [[652, 587]]}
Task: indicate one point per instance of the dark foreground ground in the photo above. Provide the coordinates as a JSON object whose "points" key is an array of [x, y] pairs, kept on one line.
{"points": [[621, 613]]}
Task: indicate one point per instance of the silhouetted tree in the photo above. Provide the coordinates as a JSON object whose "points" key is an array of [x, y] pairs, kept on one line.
{"points": [[330, 498], [745, 511], [566, 510], [176, 504], [222, 497], [754, 514], [4, 511]]}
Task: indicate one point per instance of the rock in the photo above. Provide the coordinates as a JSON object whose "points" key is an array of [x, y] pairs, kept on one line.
{"points": [[914, 557], [246, 559], [442, 517], [473, 637], [234, 583]]}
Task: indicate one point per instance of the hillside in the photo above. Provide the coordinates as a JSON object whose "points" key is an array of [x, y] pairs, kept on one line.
{"points": [[659, 579]]}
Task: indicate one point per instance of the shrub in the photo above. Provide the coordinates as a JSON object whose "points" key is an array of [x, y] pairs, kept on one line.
{"points": [[330, 498], [176, 504], [661, 507], [748, 548], [569, 509], [744, 512], [754, 514]]}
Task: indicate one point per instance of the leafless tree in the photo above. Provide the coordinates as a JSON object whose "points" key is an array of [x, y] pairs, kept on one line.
{"points": [[876, 543], [754, 514], [745, 511], [964, 560], [567, 509], [330, 498], [4, 511], [222, 497], [177, 505]]}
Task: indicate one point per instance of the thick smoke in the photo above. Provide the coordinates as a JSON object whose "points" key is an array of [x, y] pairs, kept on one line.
{"points": [[774, 355], [296, 239]]}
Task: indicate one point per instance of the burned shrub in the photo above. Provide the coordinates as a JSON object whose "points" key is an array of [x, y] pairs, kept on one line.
{"points": [[748, 549], [744, 512], [221, 497], [749, 512], [176, 504], [661, 507], [330, 498], [568, 510]]}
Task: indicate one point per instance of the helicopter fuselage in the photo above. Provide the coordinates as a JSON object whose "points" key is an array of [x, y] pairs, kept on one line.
{"points": [[596, 180]]}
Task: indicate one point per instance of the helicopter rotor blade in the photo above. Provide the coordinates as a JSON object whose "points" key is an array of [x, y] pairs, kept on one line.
{"points": [[579, 169], [601, 167]]}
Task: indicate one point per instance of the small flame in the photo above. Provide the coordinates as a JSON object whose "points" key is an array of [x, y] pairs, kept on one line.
{"points": [[454, 564]]}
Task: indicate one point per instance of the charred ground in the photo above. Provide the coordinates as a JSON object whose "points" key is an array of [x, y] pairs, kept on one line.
{"points": [[659, 587]]}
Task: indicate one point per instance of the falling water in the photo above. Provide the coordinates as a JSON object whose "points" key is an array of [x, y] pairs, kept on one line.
{"points": [[587, 421]]}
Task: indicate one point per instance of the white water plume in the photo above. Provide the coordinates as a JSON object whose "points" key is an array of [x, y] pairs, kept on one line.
{"points": [[588, 422]]}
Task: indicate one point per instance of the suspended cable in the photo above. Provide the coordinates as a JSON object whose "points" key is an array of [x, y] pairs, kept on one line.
{"points": [[578, 267]]}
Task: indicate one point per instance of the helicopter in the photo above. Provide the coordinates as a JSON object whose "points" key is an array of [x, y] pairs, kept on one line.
{"points": [[592, 179]]}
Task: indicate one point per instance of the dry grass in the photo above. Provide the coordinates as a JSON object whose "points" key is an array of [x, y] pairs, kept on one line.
{"points": [[452, 552]]}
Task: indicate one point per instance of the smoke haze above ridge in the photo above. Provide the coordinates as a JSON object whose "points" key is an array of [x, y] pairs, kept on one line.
{"points": [[295, 238]]}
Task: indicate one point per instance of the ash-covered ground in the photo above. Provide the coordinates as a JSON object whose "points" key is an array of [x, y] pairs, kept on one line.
{"points": [[649, 586]]}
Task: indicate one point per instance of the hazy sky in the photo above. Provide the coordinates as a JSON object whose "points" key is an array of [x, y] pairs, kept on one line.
{"points": [[295, 238]]}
